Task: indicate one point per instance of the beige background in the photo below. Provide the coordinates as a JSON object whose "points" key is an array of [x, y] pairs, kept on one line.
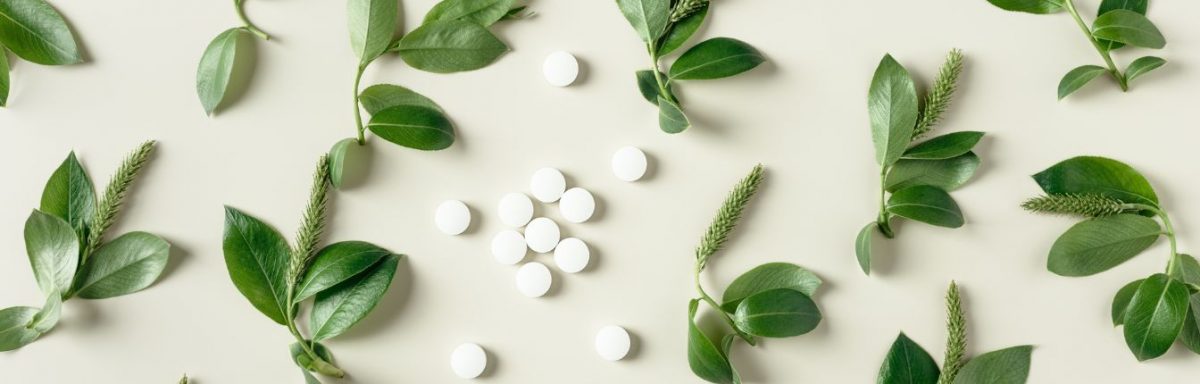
{"points": [[802, 114]]}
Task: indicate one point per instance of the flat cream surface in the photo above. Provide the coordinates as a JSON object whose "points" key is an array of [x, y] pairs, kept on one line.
{"points": [[802, 114]]}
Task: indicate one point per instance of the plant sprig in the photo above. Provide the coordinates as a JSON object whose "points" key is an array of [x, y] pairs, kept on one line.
{"points": [[36, 33], [1118, 23], [217, 64], [772, 300], [915, 177]]}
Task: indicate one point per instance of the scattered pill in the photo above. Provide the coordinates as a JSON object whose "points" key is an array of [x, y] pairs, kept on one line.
{"points": [[533, 279], [508, 247], [453, 217], [542, 235], [560, 68], [612, 343], [548, 185], [572, 255], [468, 360], [629, 164], [577, 205], [515, 209]]}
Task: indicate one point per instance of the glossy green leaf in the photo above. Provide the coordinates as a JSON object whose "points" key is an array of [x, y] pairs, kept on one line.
{"points": [[681, 31], [767, 277], [15, 330], [1005, 366], [648, 85], [53, 250], [383, 96], [4, 80], [1139, 6], [1097, 175], [944, 147], [257, 257], [862, 246], [648, 17], [781, 312], [216, 67], [1155, 316], [1077, 78], [706, 360], [372, 26], [336, 263], [1189, 336], [1125, 26], [338, 308], [337, 160], [124, 265], [69, 195], [48, 316], [1121, 301], [413, 127], [948, 174], [716, 58], [908, 363], [35, 32], [1099, 244], [450, 46], [1143, 66], [892, 103], [670, 117], [927, 204], [482, 12]]}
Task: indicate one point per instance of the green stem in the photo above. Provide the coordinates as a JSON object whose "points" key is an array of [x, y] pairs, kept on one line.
{"points": [[357, 108], [662, 84], [319, 364], [1112, 67], [237, 4], [1169, 231], [717, 307], [884, 219]]}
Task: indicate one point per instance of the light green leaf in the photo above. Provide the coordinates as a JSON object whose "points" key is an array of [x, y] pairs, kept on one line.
{"points": [[927, 204], [1005, 366], [257, 257], [679, 32], [892, 103], [34, 31], [482, 12], [706, 361], [714, 59], [69, 195], [1143, 66], [125, 265], [670, 117], [372, 27], [383, 96], [450, 46], [324, 364], [1097, 175], [1155, 316], [1125, 26], [1029, 6], [340, 307], [862, 246], [908, 363], [648, 17], [48, 316], [15, 330], [1139, 6], [337, 160], [781, 312], [1077, 78], [336, 263], [1099, 244], [216, 67], [413, 127], [948, 174], [53, 250], [944, 147], [767, 277], [1121, 301]]}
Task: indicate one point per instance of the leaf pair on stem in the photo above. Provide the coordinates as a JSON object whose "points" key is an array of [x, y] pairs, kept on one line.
{"points": [[35, 32]]}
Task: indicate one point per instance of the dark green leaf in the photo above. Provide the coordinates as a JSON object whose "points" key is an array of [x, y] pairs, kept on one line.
{"points": [[4, 81], [53, 250], [1187, 269], [257, 258], [1139, 6], [908, 363], [15, 330], [69, 195], [892, 103], [1097, 175], [648, 17], [1030, 6], [670, 117], [679, 32], [1121, 301], [1005, 366], [706, 361], [862, 246], [1143, 66], [648, 85], [372, 25], [482, 12], [714, 59], [413, 127], [125, 265], [1099, 244], [340, 307], [337, 160], [944, 147], [1125, 26], [782, 312], [450, 46], [34, 31], [1190, 335], [383, 96], [1077, 78], [948, 174], [767, 277], [336, 263], [1155, 316], [216, 67], [927, 204]]}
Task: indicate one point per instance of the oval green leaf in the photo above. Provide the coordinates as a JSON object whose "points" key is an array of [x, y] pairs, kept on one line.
{"points": [[125, 265], [337, 161], [383, 96], [216, 67], [372, 25], [1187, 269], [482, 12], [53, 250], [648, 85], [908, 363], [767, 277], [1129, 27], [944, 147], [714, 59], [1155, 316], [706, 361], [1099, 244], [680, 31], [1190, 335], [1077, 78], [48, 316], [15, 330], [1005, 366], [1030, 6], [450, 46], [862, 246], [1097, 175], [257, 258], [782, 312], [1139, 6], [648, 17], [927, 204], [336, 263], [69, 195], [1121, 301], [338, 308], [892, 103], [1143, 66], [948, 174], [670, 117], [35, 32], [413, 127]]}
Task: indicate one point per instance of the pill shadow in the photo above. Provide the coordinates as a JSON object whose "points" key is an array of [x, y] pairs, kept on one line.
{"points": [[635, 346], [493, 364], [651, 168]]}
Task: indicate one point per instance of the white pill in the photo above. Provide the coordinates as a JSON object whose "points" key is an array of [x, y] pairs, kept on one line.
{"points": [[577, 205], [508, 247], [468, 360], [629, 164], [452, 217], [572, 255], [542, 235], [560, 68], [533, 279], [548, 185], [515, 209], [612, 343]]}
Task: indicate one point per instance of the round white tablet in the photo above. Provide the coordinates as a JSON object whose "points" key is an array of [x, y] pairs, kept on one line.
{"points": [[548, 185], [629, 164], [577, 205], [533, 279], [515, 209], [542, 235], [468, 360], [452, 217], [612, 343], [508, 247], [572, 255], [560, 68]]}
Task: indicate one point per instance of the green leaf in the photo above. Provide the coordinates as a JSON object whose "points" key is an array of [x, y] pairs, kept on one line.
{"points": [[1143, 66], [1187, 269], [340, 307], [257, 258], [53, 250], [767, 277], [450, 46], [383, 96], [337, 161], [34, 31], [707, 362], [892, 103], [1099, 244], [372, 26], [15, 330], [1005, 366], [927, 204], [69, 195], [862, 246], [1155, 316], [413, 127], [781, 312], [1139, 6], [1097, 175], [1030, 6], [125, 265], [4, 81], [308, 365], [482, 12], [714, 59], [948, 174], [1077, 78], [679, 32], [216, 67], [648, 17], [1190, 335], [670, 117], [336, 263], [48, 316], [944, 147], [1121, 301], [648, 85], [1125, 26], [908, 363]]}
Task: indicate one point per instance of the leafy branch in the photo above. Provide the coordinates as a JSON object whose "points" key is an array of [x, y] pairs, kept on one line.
{"points": [[36, 33]]}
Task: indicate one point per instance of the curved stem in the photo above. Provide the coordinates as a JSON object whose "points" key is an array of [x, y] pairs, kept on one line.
{"points": [[662, 84], [717, 307], [357, 108], [1112, 67], [1169, 231], [237, 4]]}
